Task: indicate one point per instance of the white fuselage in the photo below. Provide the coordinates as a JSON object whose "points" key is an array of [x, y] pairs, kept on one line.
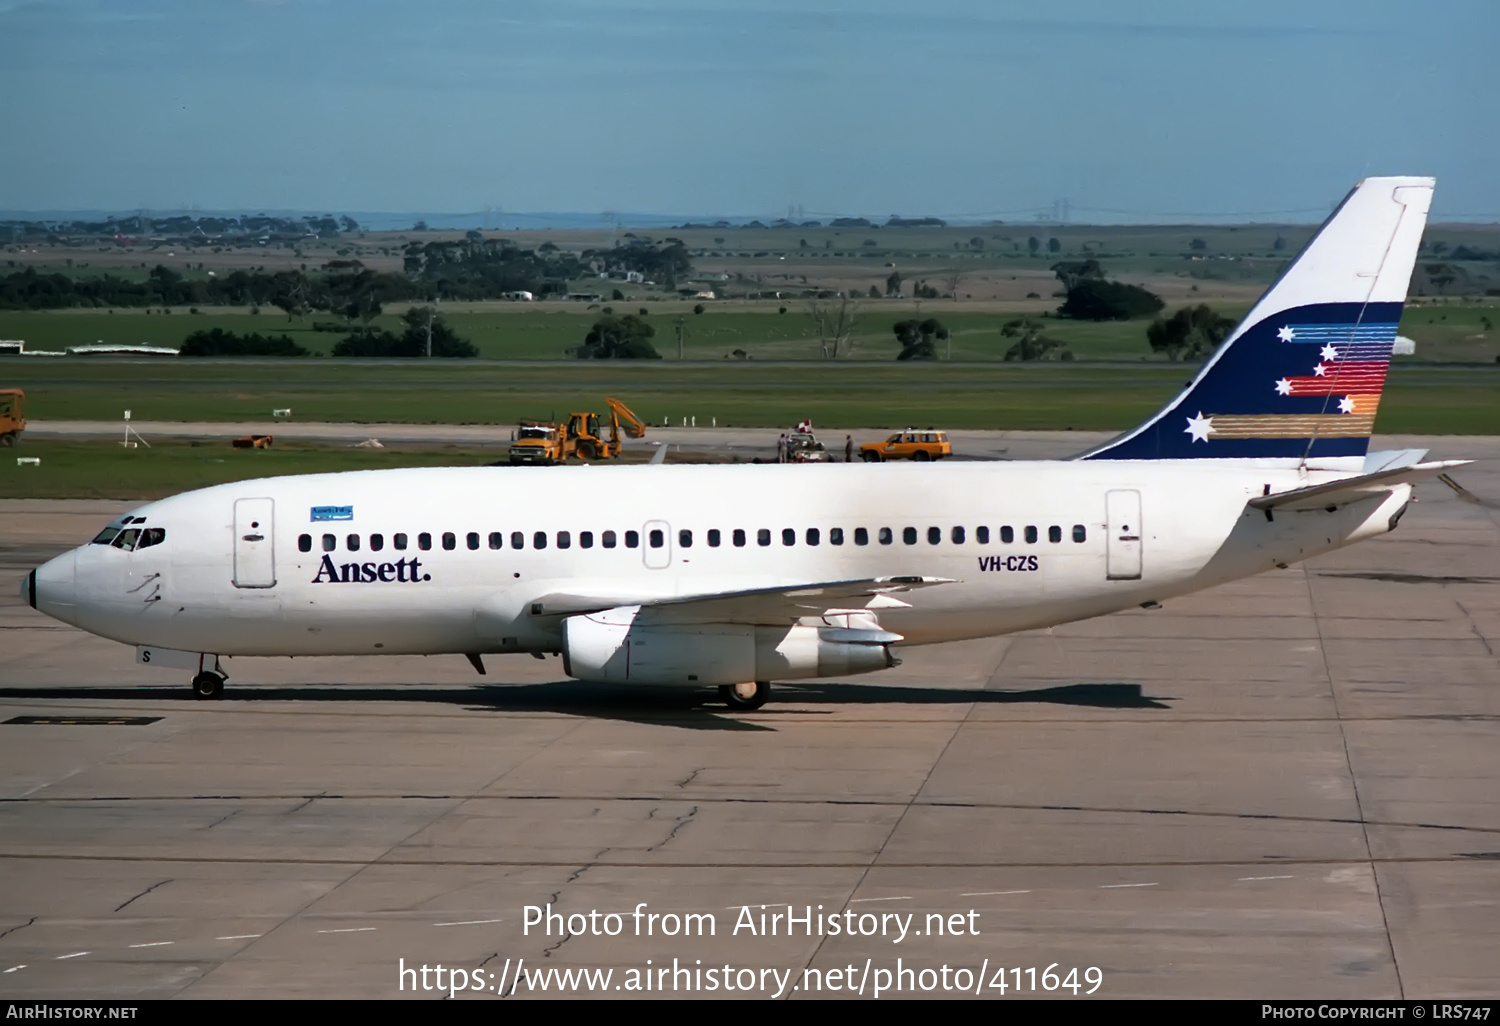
{"points": [[1145, 531]]}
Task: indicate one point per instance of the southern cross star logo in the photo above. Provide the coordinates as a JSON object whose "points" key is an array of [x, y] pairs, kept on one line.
{"points": [[1283, 387], [1286, 334], [1329, 353], [1200, 427], [1346, 405]]}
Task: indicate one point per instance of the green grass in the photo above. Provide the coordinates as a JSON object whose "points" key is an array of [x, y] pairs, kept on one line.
{"points": [[837, 395]]}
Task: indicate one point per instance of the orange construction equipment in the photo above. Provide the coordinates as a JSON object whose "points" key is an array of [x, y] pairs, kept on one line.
{"points": [[12, 416], [589, 442], [252, 442], [541, 442]]}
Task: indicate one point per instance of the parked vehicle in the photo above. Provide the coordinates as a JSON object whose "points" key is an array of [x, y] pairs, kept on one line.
{"points": [[911, 444]]}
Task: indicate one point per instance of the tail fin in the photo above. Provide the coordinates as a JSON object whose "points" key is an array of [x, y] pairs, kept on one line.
{"points": [[1300, 377]]}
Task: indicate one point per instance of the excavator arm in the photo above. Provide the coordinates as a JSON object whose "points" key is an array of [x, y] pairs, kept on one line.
{"points": [[619, 412]]}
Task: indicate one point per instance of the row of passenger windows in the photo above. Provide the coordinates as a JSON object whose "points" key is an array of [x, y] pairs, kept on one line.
{"points": [[656, 538]]}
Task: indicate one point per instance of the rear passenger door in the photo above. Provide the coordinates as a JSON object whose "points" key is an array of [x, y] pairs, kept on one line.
{"points": [[656, 544]]}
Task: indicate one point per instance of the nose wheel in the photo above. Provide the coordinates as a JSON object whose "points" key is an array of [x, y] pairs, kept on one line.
{"points": [[208, 685], [749, 695]]}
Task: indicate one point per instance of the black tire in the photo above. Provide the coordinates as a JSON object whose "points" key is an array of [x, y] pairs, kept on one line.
{"points": [[8, 440], [921, 455], [208, 685], [744, 703], [871, 456]]}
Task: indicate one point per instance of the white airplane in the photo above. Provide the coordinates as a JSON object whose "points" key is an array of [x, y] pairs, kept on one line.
{"points": [[733, 576]]}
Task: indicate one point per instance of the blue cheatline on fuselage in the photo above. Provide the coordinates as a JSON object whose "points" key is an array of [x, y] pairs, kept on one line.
{"points": [[1311, 374]]}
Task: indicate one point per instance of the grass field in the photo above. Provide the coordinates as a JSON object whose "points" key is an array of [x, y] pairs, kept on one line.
{"points": [[1444, 332], [836, 395]]}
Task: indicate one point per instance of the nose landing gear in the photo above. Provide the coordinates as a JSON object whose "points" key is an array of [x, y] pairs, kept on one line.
{"points": [[208, 684], [746, 696]]}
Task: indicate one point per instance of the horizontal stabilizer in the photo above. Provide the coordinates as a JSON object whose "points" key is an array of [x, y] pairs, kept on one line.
{"points": [[1352, 489], [754, 605]]}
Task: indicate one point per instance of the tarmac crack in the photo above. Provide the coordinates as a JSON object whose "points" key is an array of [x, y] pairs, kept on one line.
{"points": [[147, 891], [682, 821], [21, 926]]}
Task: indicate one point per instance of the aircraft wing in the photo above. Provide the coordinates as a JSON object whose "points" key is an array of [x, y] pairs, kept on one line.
{"points": [[1352, 489], [774, 605]]}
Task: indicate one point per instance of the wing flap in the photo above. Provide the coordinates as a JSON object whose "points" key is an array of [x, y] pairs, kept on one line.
{"points": [[1352, 489]]}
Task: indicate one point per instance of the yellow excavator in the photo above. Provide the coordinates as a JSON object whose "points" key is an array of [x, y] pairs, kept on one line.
{"points": [[587, 436]]}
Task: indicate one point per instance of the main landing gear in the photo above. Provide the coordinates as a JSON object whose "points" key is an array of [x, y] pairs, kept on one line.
{"points": [[208, 684], [752, 694]]}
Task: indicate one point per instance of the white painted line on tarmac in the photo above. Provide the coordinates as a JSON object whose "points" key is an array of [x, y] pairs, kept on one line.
{"points": [[153, 944], [73, 955], [856, 901], [987, 894], [470, 922], [15, 967], [1288, 876], [351, 929], [239, 936], [1109, 887]]}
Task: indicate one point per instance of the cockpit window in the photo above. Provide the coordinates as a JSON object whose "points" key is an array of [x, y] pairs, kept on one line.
{"points": [[151, 536], [126, 539], [106, 536]]}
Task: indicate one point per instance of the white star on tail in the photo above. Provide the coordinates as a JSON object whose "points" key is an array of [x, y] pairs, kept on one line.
{"points": [[1283, 387], [1200, 427], [1319, 370], [1286, 334], [1330, 353], [1346, 405]]}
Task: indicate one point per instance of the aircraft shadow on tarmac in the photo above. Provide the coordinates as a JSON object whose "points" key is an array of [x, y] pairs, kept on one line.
{"points": [[694, 709]]}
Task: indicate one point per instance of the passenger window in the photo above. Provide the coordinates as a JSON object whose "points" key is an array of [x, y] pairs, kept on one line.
{"points": [[151, 536], [763, 536], [861, 536], [685, 539], [1030, 535], [655, 538], [1007, 535], [981, 535], [564, 539], [517, 540], [585, 539], [424, 541], [126, 539], [450, 541], [739, 537], [329, 543], [885, 536], [399, 541], [788, 536], [377, 542], [304, 543], [909, 535], [352, 543], [471, 540], [1054, 534], [608, 539], [934, 535], [1079, 534], [812, 536], [632, 540], [835, 536], [958, 536], [713, 537], [497, 539], [539, 539]]}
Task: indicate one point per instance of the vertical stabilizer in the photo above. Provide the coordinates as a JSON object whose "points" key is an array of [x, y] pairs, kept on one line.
{"points": [[1301, 376]]}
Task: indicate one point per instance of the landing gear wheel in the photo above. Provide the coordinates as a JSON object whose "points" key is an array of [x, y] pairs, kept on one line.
{"points": [[208, 685], [749, 695], [872, 457]]}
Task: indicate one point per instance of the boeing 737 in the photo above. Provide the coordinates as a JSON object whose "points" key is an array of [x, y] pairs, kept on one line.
{"points": [[734, 576]]}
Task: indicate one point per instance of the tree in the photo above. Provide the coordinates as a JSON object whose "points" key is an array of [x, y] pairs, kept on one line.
{"points": [[1071, 272], [1030, 343], [218, 342], [1096, 300], [422, 323], [619, 338], [1033, 244], [1189, 334], [1053, 246], [893, 285], [1197, 245], [918, 338], [833, 320]]}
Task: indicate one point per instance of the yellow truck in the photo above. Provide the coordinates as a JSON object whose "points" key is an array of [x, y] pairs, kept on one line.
{"points": [[911, 444], [541, 442], [12, 416], [586, 435]]}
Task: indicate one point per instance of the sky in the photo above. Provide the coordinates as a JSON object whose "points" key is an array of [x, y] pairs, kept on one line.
{"points": [[1154, 110]]}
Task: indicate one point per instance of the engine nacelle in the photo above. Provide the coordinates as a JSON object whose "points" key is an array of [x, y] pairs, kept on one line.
{"points": [[611, 647]]}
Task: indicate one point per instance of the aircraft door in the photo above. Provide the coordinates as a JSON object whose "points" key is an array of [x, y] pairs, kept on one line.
{"points": [[1123, 534], [254, 554], [656, 544]]}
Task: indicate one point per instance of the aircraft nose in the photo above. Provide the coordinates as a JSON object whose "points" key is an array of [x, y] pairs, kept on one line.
{"points": [[51, 587]]}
